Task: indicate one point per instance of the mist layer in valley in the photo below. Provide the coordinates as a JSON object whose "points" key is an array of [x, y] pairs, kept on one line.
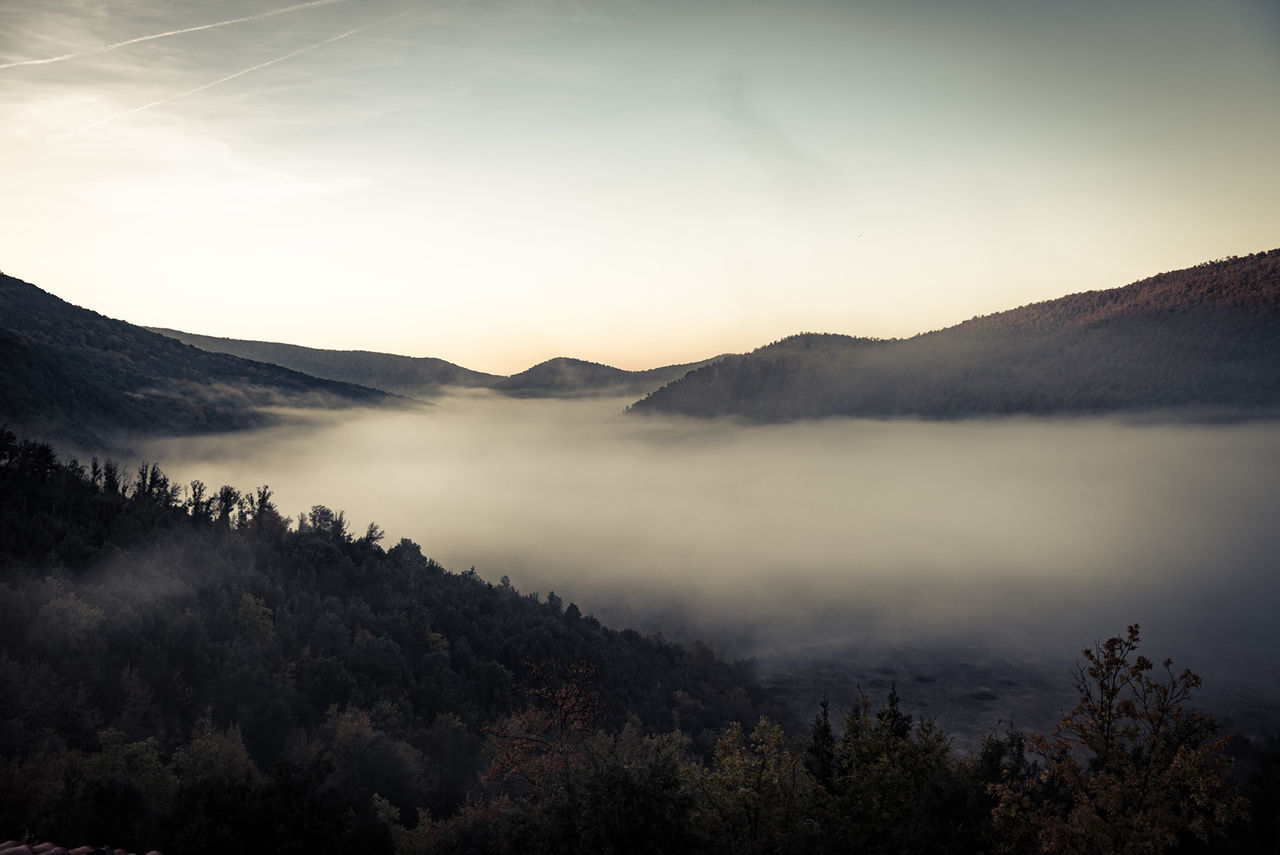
{"points": [[966, 561]]}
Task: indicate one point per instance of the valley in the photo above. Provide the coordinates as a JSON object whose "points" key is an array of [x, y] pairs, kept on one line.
{"points": [[867, 543]]}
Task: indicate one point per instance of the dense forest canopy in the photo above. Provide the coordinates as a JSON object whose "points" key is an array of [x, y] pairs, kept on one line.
{"points": [[188, 669], [136, 607]]}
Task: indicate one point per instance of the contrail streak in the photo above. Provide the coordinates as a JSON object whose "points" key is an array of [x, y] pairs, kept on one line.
{"points": [[240, 73], [134, 41]]}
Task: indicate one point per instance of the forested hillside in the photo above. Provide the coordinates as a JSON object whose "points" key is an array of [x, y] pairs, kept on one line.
{"points": [[401, 375], [1203, 342], [187, 669], [172, 655], [73, 374]]}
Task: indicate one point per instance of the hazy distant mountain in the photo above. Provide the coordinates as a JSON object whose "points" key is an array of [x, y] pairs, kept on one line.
{"points": [[403, 375], [1205, 340], [74, 374], [408, 375], [564, 377]]}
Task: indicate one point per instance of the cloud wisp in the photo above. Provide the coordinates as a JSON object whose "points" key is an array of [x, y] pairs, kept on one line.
{"points": [[241, 73], [768, 142], [153, 36]]}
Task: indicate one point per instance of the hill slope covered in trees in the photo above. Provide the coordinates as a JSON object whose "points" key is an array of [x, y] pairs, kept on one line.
{"points": [[170, 654], [186, 669], [401, 375], [77, 375], [1203, 341]]}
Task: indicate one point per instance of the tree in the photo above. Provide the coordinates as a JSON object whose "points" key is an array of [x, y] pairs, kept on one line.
{"points": [[820, 756], [226, 502], [1131, 769], [756, 796], [324, 520], [535, 750], [200, 503], [895, 788], [216, 757]]}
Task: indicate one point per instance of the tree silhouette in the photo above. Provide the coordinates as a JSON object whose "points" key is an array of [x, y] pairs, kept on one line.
{"points": [[1131, 769]]}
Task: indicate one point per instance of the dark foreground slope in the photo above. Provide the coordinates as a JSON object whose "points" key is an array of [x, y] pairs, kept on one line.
{"points": [[401, 375], [206, 676], [76, 375], [203, 675], [1203, 341]]}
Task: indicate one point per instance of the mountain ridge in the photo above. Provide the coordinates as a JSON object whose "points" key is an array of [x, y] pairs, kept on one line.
{"points": [[1204, 339], [560, 376], [565, 376], [77, 375], [1201, 339], [401, 375]]}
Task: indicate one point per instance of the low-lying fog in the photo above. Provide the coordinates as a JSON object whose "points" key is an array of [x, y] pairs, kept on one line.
{"points": [[968, 561]]}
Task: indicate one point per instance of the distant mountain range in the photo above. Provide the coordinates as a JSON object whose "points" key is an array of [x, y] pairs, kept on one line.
{"points": [[426, 376], [77, 376], [401, 375], [1204, 341], [72, 374], [1201, 341], [564, 377]]}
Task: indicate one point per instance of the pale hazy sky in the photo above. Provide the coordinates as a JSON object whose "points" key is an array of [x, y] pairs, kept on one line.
{"points": [[631, 182]]}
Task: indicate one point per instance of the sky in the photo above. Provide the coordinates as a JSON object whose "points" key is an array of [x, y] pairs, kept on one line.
{"points": [[635, 182]]}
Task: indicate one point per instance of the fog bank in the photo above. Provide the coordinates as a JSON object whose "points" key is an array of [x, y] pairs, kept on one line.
{"points": [[840, 544]]}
